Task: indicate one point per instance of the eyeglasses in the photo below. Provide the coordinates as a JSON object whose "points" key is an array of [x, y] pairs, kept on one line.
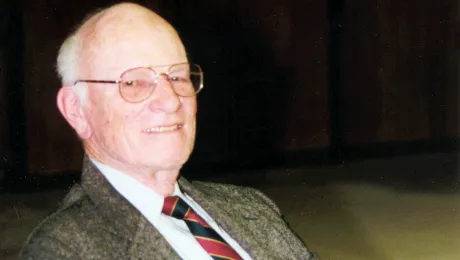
{"points": [[137, 84]]}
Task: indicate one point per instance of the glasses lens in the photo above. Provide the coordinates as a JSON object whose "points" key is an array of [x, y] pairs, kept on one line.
{"points": [[186, 79], [137, 84]]}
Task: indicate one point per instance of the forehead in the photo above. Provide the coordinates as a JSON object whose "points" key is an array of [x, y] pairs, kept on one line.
{"points": [[120, 43]]}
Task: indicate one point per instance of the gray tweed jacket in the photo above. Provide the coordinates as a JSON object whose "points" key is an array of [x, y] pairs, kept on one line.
{"points": [[96, 222]]}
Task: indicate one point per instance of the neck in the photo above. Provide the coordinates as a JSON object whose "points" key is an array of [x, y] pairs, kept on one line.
{"points": [[160, 181]]}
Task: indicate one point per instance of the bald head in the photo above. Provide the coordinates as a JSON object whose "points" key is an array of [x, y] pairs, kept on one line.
{"points": [[104, 44], [126, 26]]}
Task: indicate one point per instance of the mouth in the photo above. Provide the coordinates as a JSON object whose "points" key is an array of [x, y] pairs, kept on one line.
{"points": [[162, 129]]}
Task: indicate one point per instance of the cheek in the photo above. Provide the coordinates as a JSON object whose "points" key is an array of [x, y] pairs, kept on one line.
{"points": [[107, 121], [191, 118], [132, 117], [130, 123], [190, 107]]}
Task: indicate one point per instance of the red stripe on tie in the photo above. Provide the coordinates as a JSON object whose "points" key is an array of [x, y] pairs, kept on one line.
{"points": [[217, 248], [169, 205], [192, 216]]}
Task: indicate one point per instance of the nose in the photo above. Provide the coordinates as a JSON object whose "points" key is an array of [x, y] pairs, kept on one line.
{"points": [[163, 97]]}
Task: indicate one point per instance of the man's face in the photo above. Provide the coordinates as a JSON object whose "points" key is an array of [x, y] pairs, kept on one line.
{"points": [[157, 133]]}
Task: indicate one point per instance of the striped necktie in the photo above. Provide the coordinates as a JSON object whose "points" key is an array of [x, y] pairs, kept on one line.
{"points": [[209, 239]]}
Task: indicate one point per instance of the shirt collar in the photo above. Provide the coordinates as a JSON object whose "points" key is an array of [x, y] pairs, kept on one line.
{"points": [[146, 200]]}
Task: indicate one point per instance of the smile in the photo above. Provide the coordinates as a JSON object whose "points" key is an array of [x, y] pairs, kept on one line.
{"points": [[162, 129]]}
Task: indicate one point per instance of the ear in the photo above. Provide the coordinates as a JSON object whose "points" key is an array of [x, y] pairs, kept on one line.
{"points": [[69, 104]]}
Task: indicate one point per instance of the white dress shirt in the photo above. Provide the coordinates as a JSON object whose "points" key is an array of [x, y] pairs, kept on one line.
{"points": [[150, 204]]}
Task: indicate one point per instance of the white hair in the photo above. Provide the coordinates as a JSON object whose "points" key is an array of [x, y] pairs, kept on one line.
{"points": [[68, 60], [68, 66]]}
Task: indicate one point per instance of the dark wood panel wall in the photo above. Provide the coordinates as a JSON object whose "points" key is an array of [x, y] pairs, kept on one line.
{"points": [[454, 116], [306, 113], [398, 76], [5, 150], [12, 136], [267, 75]]}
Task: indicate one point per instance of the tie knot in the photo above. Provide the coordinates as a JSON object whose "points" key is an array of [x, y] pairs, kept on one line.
{"points": [[177, 208], [174, 206]]}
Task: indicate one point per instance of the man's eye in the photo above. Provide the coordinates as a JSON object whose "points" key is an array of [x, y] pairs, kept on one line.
{"points": [[178, 79], [130, 83]]}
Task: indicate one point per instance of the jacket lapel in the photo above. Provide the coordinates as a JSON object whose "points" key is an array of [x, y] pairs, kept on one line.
{"points": [[123, 219], [148, 243]]}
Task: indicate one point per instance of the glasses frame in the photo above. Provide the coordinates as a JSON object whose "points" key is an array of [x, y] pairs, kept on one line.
{"points": [[157, 75]]}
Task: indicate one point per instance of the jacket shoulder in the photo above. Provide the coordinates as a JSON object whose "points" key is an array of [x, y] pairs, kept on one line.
{"points": [[61, 234], [243, 194], [284, 242]]}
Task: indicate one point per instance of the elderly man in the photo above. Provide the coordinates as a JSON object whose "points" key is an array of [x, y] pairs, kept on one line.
{"points": [[130, 94]]}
